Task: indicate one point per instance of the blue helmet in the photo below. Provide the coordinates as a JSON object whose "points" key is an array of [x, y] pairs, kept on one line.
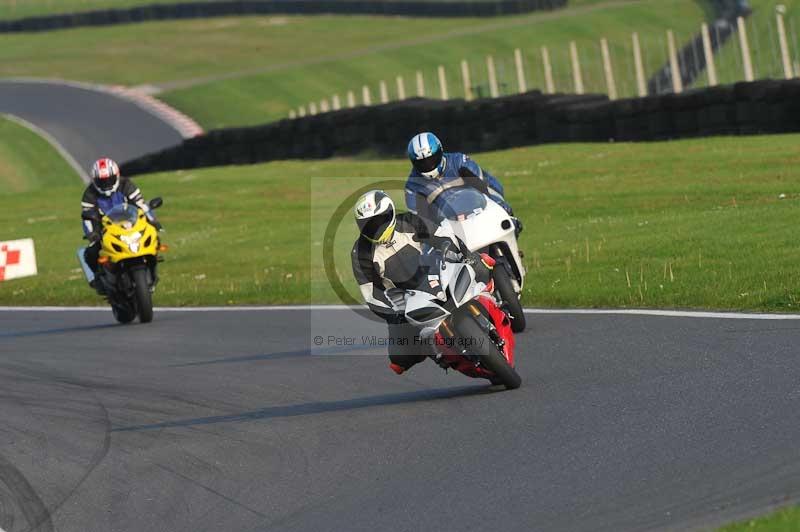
{"points": [[427, 155]]}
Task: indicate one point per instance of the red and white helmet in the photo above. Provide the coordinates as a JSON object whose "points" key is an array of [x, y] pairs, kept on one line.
{"points": [[105, 176]]}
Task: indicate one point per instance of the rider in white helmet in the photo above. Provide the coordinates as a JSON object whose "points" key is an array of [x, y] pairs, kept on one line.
{"points": [[387, 255]]}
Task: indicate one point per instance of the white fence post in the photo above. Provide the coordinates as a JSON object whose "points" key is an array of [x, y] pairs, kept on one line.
{"points": [[366, 96], [292, 114], [420, 84], [401, 88], [336, 102], [610, 83], [747, 62], [301, 111], [709, 53], [577, 77], [323, 106], [466, 80], [785, 57], [494, 90], [443, 84], [384, 92], [639, 64], [549, 86], [351, 99], [312, 108], [674, 66], [521, 85]]}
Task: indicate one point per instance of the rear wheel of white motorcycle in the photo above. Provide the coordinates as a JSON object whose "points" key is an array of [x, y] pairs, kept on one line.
{"points": [[144, 300], [492, 359], [511, 302]]}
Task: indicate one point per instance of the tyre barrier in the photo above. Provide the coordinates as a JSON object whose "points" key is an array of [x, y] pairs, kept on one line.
{"points": [[221, 8], [768, 106]]}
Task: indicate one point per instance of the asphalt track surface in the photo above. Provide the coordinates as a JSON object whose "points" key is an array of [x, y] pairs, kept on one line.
{"points": [[225, 421], [89, 124]]}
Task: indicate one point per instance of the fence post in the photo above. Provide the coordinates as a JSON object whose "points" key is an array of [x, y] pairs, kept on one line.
{"points": [[747, 62], [674, 66], [366, 97], [443, 84], [549, 86], [401, 88], [312, 108], [787, 61], [494, 91], [384, 90], [323, 106], [292, 114], [351, 99], [465, 78], [337, 103], [641, 85], [709, 53], [420, 84], [610, 83], [576, 68], [521, 85], [301, 111]]}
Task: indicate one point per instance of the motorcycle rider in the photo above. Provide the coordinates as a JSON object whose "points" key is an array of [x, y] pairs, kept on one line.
{"points": [[387, 255], [434, 171], [107, 190]]}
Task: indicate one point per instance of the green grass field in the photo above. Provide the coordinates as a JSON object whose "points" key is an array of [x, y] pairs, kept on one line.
{"points": [[246, 70], [688, 224], [28, 162], [786, 520]]}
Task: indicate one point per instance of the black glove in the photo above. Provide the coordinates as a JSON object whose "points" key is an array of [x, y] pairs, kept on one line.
{"points": [[93, 238], [157, 225], [483, 266]]}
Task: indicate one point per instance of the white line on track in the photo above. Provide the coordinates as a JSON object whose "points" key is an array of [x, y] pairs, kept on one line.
{"points": [[621, 312]]}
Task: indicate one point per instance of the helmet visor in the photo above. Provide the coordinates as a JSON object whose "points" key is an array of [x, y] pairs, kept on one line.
{"points": [[375, 227], [106, 183], [428, 164]]}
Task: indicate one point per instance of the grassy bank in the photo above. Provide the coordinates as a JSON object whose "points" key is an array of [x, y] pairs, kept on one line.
{"points": [[786, 520], [27, 161], [689, 224], [246, 70]]}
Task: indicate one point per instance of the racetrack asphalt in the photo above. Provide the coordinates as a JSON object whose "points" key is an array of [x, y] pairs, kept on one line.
{"points": [[88, 123], [225, 421]]}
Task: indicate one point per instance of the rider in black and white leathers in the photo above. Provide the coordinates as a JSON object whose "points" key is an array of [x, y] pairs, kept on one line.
{"points": [[395, 263]]}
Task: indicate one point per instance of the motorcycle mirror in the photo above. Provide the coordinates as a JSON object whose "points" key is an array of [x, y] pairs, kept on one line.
{"points": [[155, 203]]}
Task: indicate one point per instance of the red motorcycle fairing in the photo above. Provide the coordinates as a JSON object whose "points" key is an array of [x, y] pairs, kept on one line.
{"points": [[502, 323]]}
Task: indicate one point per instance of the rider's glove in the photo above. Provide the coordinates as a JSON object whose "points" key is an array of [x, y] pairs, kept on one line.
{"points": [[93, 238], [482, 264], [157, 225], [517, 226]]}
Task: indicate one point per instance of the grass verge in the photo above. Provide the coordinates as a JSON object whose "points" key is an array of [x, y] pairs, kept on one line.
{"points": [[785, 520], [27, 161], [687, 224]]}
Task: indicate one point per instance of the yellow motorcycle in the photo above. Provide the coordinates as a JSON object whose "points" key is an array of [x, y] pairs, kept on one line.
{"points": [[129, 254]]}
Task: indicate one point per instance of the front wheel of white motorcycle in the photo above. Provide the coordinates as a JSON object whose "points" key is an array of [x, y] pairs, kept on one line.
{"points": [[511, 301]]}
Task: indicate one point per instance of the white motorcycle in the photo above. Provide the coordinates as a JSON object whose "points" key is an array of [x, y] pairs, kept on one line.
{"points": [[485, 227], [456, 314]]}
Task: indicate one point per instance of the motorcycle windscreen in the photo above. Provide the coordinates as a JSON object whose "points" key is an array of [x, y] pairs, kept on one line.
{"points": [[124, 215], [460, 203]]}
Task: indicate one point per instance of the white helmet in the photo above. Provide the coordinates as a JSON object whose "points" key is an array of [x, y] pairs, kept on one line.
{"points": [[105, 176], [375, 216]]}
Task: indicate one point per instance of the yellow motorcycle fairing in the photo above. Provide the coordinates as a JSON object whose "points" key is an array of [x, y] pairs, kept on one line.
{"points": [[127, 234]]}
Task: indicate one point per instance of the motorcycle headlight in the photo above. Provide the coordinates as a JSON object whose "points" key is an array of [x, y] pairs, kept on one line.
{"points": [[425, 314]]}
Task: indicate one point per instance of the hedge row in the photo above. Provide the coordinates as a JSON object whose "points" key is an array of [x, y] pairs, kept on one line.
{"points": [[186, 10], [527, 119]]}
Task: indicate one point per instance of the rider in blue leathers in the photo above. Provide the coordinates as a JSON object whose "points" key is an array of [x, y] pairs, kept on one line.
{"points": [[435, 171]]}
